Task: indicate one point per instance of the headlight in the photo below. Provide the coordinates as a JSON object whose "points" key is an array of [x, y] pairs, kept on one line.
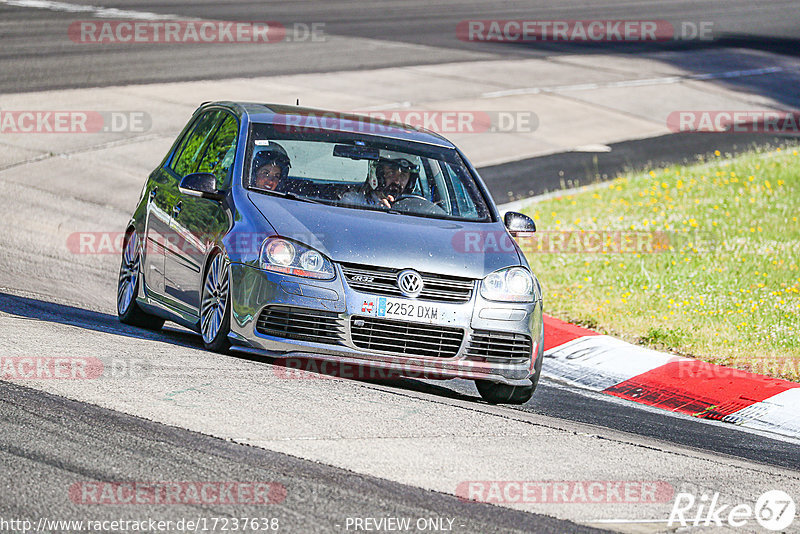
{"points": [[284, 256], [514, 284]]}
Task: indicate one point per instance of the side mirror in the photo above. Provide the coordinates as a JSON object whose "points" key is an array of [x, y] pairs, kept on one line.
{"points": [[517, 223], [200, 184]]}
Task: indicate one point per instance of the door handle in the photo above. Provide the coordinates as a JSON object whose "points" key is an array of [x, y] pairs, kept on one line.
{"points": [[177, 209]]}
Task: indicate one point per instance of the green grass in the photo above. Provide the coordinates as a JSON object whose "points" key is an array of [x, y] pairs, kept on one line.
{"points": [[717, 275]]}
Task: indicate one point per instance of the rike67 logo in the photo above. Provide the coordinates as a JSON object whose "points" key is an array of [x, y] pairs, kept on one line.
{"points": [[774, 510]]}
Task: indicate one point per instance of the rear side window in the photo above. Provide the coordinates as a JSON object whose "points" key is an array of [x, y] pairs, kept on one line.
{"points": [[193, 146], [218, 158]]}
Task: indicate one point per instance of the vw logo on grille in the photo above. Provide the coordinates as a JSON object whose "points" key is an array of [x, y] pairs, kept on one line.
{"points": [[410, 283]]}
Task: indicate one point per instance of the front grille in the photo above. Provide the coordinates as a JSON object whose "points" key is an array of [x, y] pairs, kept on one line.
{"points": [[383, 281], [498, 347], [301, 323], [408, 339]]}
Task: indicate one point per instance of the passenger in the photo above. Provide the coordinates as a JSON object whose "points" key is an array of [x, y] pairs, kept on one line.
{"points": [[270, 166]]}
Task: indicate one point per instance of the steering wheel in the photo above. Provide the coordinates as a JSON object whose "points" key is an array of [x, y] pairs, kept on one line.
{"points": [[406, 196], [415, 203]]}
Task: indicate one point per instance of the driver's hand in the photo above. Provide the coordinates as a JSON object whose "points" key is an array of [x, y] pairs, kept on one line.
{"points": [[387, 202]]}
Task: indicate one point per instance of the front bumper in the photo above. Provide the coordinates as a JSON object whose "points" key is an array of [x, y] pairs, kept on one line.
{"points": [[254, 289]]}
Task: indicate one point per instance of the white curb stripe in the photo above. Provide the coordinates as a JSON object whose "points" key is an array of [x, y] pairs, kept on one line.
{"points": [[600, 362], [779, 414]]}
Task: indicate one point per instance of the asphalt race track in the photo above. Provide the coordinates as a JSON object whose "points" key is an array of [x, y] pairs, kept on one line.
{"points": [[360, 35], [35, 425], [341, 449]]}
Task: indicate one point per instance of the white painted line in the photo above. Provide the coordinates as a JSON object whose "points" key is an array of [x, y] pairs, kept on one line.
{"points": [[392, 105], [647, 81], [633, 83], [645, 521], [515, 92], [96, 11], [592, 148], [627, 521], [736, 73], [580, 87]]}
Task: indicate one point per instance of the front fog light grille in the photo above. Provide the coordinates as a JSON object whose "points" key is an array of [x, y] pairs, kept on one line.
{"points": [[301, 324], [499, 347]]}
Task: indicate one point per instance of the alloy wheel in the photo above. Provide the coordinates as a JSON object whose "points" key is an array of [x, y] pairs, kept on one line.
{"points": [[215, 298], [128, 274]]}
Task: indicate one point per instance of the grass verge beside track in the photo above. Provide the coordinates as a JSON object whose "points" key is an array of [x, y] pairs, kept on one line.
{"points": [[702, 260]]}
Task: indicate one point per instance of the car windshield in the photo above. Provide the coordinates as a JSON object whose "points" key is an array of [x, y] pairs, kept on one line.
{"points": [[364, 172]]}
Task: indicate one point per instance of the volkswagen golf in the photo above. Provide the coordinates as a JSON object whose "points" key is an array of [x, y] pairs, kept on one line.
{"points": [[294, 232]]}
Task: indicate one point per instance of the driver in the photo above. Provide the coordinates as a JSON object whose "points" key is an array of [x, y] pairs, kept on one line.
{"points": [[270, 166], [388, 179]]}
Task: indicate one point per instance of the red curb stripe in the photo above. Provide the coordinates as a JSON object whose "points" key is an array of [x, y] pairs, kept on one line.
{"points": [[698, 388], [558, 332]]}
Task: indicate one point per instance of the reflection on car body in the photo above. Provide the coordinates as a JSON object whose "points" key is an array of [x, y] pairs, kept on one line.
{"points": [[334, 243]]}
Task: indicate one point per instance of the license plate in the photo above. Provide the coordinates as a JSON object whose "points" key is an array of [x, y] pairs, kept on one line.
{"points": [[407, 311]]}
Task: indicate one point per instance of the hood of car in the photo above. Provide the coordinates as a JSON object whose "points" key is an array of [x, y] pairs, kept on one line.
{"points": [[348, 235]]}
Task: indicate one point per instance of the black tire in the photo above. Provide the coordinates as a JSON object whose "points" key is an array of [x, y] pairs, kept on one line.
{"points": [[495, 393], [211, 298], [537, 367], [130, 275]]}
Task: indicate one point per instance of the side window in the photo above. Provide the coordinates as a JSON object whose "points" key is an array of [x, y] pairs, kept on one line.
{"points": [[191, 149], [466, 206], [218, 158]]}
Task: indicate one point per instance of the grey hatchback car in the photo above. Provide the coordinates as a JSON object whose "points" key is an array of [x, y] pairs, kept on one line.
{"points": [[298, 233]]}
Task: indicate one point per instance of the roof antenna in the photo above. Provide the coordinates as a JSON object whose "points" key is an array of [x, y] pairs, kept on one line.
{"points": [[298, 102]]}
